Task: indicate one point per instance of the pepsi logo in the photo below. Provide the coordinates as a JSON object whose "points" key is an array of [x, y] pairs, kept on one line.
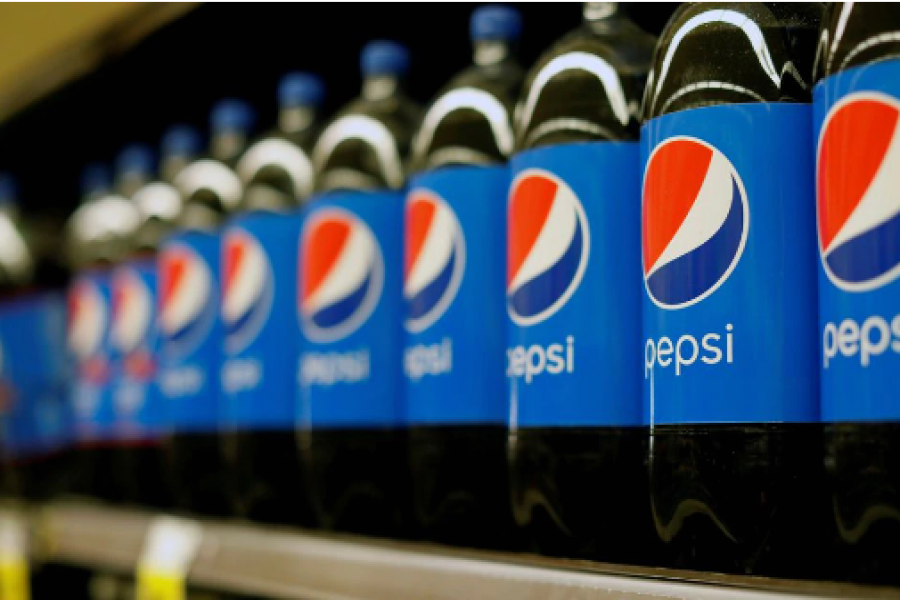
{"points": [[695, 221], [132, 310], [548, 245], [434, 261], [186, 298], [247, 288], [858, 191], [341, 274], [87, 320]]}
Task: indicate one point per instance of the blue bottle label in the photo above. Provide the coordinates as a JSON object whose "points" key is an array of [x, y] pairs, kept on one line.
{"points": [[34, 337], [856, 119], [572, 286], [729, 281], [190, 331], [134, 341], [349, 311], [453, 274], [259, 269], [89, 344]]}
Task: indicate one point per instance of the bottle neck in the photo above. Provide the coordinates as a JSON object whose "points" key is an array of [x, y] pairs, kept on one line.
{"points": [[295, 119], [226, 145], [129, 183], [595, 12], [379, 87], [172, 165], [491, 52]]}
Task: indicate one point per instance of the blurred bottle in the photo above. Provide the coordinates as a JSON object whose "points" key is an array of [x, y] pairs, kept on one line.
{"points": [[728, 266], [856, 109], [454, 306], [190, 354], [135, 335], [577, 448], [100, 233], [259, 254], [32, 358], [351, 432]]}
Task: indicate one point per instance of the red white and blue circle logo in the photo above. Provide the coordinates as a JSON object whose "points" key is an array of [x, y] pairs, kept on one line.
{"points": [[88, 319], [434, 261], [548, 245], [694, 224], [858, 191], [341, 274], [187, 298], [248, 288]]}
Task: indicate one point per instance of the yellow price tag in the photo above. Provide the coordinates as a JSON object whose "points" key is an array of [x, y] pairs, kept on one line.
{"points": [[156, 585], [14, 583], [169, 549]]}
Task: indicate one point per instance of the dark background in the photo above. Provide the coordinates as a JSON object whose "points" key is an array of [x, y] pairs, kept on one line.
{"points": [[241, 50]]}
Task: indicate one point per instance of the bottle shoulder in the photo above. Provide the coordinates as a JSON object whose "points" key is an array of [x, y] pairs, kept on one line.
{"points": [[586, 87], [724, 53]]}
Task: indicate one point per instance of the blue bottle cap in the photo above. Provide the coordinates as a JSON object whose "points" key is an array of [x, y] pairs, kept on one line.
{"points": [[231, 114], [135, 158], [301, 89], [95, 178], [384, 57], [495, 22], [9, 191], [180, 140]]}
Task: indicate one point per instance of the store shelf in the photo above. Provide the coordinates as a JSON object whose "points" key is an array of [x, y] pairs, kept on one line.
{"points": [[284, 563]]}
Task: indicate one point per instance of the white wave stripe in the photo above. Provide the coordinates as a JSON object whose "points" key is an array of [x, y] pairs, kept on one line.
{"points": [[553, 240], [435, 252], [132, 312], [348, 272], [189, 298], [213, 175], [282, 153], [706, 216], [248, 281], [86, 331], [881, 200]]}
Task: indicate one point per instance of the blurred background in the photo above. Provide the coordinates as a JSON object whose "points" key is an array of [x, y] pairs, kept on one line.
{"points": [[79, 80]]}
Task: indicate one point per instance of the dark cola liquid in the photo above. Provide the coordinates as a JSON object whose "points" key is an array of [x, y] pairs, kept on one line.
{"points": [[461, 485], [742, 498], [863, 464], [582, 492], [357, 480], [196, 473], [265, 477]]}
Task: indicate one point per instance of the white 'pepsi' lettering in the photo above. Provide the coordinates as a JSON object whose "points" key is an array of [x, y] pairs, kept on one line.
{"points": [[685, 352], [536, 360], [873, 338], [241, 375], [329, 368], [181, 381], [422, 360]]}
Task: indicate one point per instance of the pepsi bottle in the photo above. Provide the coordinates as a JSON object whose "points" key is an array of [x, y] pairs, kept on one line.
{"points": [[259, 254], [100, 234], [454, 307], [190, 355], [729, 365], [351, 434], [576, 447], [32, 359], [856, 108], [135, 336]]}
